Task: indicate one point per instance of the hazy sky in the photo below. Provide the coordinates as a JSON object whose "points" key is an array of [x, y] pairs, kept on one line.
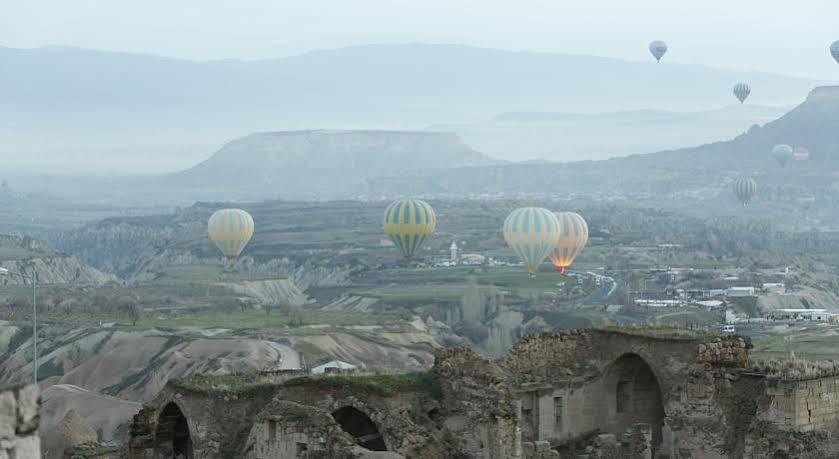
{"points": [[772, 35]]}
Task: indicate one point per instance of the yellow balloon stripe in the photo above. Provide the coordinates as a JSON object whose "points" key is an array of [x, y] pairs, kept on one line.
{"points": [[531, 232], [408, 223], [230, 230]]}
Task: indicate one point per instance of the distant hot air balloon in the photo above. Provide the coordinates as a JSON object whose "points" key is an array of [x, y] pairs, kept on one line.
{"points": [[408, 223], [801, 154], [742, 91], [658, 48], [573, 236], [834, 50], [532, 232], [744, 189], [782, 153], [230, 230]]}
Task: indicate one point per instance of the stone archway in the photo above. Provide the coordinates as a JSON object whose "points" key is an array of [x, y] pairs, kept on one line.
{"points": [[634, 396], [171, 437], [361, 427]]}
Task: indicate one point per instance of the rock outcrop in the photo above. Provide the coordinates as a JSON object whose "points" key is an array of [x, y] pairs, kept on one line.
{"points": [[70, 433], [23, 256], [19, 422]]}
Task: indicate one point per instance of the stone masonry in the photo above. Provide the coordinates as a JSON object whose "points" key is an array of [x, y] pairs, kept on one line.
{"points": [[19, 422], [581, 393]]}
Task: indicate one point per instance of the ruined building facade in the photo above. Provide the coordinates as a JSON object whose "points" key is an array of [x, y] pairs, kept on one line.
{"points": [[600, 393]]}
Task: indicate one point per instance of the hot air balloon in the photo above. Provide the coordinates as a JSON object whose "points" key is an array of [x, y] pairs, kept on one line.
{"points": [[408, 223], [782, 153], [801, 154], [573, 236], [658, 48], [230, 230], [834, 50], [744, 189], [742, 91], [532, 232]]}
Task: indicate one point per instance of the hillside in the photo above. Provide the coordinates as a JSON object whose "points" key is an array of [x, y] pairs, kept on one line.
{"points": [[321, 164], [678, 178], [73, 109], [571, 136], [22, 256]]}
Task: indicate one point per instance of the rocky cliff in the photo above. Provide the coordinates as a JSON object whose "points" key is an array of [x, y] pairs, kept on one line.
{"points": [[23, 256]]}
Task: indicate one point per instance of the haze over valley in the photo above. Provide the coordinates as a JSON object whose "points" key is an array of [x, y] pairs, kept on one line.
{"points": [[419, 230]]}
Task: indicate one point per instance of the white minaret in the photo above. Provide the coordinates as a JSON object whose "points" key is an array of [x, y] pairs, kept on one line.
{"points": [[453, 250]]}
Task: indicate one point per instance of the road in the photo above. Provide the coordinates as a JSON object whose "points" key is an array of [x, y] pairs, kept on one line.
{"points": [[290, 357]]}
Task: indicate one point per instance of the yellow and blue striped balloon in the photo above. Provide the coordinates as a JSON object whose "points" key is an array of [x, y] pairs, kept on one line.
{"points": [[532, 232], [408, 223], [573, 236], [230, 230]]}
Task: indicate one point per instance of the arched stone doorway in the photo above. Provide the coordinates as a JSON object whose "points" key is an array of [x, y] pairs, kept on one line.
{"points": [[171, 438], [634, 396], [361, 427]]}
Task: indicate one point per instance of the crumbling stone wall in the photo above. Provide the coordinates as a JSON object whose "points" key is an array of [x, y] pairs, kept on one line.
{"points": [[569, 387], [216, 422], [479, 412], [803, 405], [19, 422], [288, 429], [604, 394]]}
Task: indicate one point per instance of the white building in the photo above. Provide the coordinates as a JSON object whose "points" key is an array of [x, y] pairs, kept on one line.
{"points": [[454, 254], [730, 317], [740, 291], [818, 315], [335, 366]]}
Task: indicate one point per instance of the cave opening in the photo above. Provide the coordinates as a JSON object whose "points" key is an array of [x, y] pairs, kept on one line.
{"points": [[361, 427], [172, 439], [634, 396]]}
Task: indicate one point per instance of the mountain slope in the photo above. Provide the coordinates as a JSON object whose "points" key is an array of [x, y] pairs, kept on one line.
{"points": [[571, 136], [61, 103], [322, 164], [683, 177]]}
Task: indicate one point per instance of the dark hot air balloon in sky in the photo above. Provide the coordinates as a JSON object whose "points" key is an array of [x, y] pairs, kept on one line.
{"points": [[658, 48], [744, 189], [742, 91]]}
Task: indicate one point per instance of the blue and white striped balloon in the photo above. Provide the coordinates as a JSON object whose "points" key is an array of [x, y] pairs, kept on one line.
{"points": [[532, 232], [744, 189]]}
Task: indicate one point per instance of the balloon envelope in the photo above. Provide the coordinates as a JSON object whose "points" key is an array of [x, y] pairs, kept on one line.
{"points": [[742, 91], [230, 230], [573, 236], [744, 189], [658, 48], [834, 50], [408, 223], [782, 153], [532, 232]]}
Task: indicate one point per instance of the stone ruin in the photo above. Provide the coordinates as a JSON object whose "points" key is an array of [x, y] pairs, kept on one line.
{"points": [[586, 393], [19, 422]]}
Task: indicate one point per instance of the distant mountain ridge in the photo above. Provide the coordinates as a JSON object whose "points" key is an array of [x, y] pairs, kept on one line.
{"points": [[82, 105]]}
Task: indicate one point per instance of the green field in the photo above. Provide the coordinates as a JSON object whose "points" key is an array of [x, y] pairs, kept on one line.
{"points": [[813, 344], [234, 319], [426, 285]]}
